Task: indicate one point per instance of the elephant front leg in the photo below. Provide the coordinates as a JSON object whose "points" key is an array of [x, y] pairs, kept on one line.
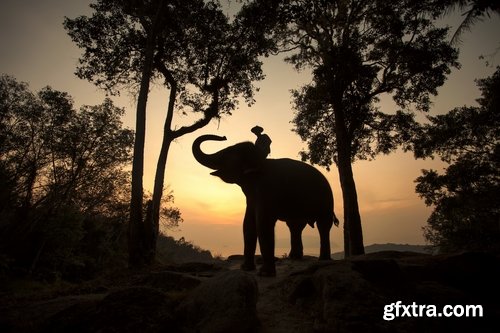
{"points": [[249, 239], [297, 249], [324, 227], [265, 232]]}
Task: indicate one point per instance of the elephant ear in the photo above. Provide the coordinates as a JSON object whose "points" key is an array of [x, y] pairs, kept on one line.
{"points": [[239, 161], [227, 175], [232, 177], [251, 170]]}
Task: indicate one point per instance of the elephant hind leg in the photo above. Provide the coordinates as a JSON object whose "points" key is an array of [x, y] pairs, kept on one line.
{"points": [[324, 226], [296, 227]]}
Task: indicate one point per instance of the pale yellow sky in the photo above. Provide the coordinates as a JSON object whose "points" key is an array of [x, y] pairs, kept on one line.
{"points": [[35, 49]]}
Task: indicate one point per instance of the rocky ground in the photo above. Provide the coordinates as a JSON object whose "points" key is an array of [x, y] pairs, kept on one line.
{"points": [[305, 296]]}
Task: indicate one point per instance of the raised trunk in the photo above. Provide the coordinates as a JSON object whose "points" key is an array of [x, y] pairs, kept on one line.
{"points": [[212, 161]]}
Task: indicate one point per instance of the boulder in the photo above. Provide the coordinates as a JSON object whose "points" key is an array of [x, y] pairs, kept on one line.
{"points": [[351, 295], [167, 281], [224, 303], [135, 309]]}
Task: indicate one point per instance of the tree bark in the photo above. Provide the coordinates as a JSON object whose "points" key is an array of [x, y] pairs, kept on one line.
{"points": [[152, 222], [136, 227], [353, 233]]}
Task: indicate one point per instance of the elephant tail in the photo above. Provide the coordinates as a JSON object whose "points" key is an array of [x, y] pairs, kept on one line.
{"points": [[335, 220]]}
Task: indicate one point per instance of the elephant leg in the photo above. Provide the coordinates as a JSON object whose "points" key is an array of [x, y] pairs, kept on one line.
{"points": [[265, 232], [296, 227], [324, 227], [249, 239]]}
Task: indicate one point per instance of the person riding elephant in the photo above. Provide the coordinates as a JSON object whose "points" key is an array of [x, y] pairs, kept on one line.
{"points": [[263, 142], [275, 189]]}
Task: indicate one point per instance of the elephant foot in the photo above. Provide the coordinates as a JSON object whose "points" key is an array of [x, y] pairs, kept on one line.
{"points": [[247, 266], [267, 271], [327, 257]]}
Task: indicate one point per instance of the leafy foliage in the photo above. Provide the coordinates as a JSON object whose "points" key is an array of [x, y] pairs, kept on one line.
{"points": [[206, 61], [196, 49], [65, 194], [359, 51], [466, 196], [473, 11], [65, 189]]}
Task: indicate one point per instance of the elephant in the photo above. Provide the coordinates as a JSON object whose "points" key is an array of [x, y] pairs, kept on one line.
{"points": [[275, 189]]}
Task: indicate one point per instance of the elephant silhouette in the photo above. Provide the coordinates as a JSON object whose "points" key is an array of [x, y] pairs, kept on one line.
{"points": [[275, 189]]}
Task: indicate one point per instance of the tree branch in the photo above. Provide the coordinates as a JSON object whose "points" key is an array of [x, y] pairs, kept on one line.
{"points": [[209, 113]]}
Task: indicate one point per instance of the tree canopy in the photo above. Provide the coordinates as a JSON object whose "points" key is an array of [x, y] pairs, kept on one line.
{"points": [[206, 61], [359, 51], [465, 197], [61, 170], [196, 49], [51, 151], [473, 11]]}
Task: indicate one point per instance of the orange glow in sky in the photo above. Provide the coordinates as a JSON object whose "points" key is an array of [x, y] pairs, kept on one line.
{"points": [[36, 49]]}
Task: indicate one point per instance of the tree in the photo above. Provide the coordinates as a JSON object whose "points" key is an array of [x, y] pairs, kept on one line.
{"points": [[61, 167], [56, 154], [359, 51], [205, 61], [466, 214], [475, 11]]}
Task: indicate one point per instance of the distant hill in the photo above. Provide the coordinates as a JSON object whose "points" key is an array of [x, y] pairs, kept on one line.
{"points": [[389, 247], [180, 251]]}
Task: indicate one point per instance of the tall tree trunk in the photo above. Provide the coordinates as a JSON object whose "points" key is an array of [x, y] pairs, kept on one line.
{"points": [[152, 225], [153, 222], [353, 233], [136, 226]]}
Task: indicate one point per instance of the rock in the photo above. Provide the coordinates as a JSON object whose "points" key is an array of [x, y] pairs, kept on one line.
{"points": [[200, 269], [225, 303], [238, 257], [136, 309], [351, 295], [474, 272], [29, 316], [306, 296], [168, 281]]}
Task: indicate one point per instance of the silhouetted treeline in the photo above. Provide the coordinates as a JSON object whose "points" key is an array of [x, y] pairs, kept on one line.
{"points": [[466, 195], [63, 193], [64, 185], [207, 62]]}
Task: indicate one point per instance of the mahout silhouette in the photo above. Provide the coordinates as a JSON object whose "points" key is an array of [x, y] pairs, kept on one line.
{"points": [[275, 189]]}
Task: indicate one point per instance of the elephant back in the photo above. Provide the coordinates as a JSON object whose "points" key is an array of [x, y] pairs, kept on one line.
{"points": [[296, 188]]}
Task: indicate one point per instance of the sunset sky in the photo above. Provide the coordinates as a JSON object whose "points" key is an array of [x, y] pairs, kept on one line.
{"points": [[35, 48]]}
